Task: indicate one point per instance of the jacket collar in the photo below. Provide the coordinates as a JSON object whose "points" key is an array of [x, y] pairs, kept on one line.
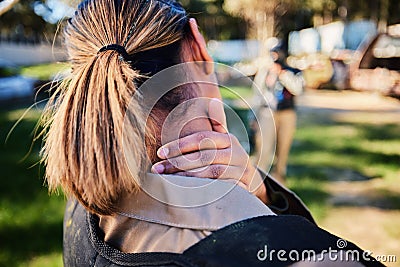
{"points": [[191, 203]]}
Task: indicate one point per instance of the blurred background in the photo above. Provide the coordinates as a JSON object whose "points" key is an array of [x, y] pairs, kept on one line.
{"points": [[344, 162]]}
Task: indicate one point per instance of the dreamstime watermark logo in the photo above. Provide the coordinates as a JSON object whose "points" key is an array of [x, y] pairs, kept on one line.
{"points": [[187, 76], [331, 254], [341, 243]]}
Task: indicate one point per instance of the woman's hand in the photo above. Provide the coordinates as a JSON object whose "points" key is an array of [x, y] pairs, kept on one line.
{"points": [[211, 154]]}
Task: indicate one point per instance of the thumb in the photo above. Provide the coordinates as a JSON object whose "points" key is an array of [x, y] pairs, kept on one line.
{"points": [[216, 115]]}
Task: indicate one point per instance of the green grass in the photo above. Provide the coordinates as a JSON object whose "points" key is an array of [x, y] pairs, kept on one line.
{"points": [[30, 220], [44, 71], [236, 92], [323, 149], [356, 146]]}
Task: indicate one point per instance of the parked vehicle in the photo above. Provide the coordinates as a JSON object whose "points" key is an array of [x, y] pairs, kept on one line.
{"points": [[377, 66]]}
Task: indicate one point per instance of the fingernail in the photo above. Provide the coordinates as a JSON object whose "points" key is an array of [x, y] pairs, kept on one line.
{"points": [[163, 152], [158, 168]]}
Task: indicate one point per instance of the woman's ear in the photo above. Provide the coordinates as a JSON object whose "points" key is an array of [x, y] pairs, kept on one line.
{"points": [[199, 47]]}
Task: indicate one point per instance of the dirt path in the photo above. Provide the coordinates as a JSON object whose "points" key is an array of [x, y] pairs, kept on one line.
{"points": [[365, 211]]}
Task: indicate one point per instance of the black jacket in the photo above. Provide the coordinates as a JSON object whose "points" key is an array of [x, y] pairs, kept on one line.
{"points": [[240, 244]]}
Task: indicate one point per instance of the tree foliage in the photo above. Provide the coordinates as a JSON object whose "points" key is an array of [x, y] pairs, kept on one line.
{"points": [[269, 18], [214, 21], [279, 17], [258, 13], [33, 20], [21, 22], [223, 19]]}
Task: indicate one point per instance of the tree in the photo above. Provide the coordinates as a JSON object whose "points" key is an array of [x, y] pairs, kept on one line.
{"points": [[214, 21], [6, 5], [269, 18], [33, 20], [262, 16], [21, 24]]}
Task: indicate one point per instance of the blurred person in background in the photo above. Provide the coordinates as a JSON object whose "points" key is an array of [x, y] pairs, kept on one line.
{"points": [[283, 83]]}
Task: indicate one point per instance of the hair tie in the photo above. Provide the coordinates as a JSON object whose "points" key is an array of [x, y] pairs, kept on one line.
{"points": [[115, 47]]}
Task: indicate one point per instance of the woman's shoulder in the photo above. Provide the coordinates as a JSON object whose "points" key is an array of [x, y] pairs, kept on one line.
{"points": [[246, 243]]}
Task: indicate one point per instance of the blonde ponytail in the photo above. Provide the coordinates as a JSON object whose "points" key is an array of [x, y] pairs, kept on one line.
{"points": [[85, 120]]}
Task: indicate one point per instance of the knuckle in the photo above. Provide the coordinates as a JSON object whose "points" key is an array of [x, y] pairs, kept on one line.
{"points": [[201, 136], [207, 143], [216, 171], [205, 158], [196, 156], [226, 154], [182, 143]]}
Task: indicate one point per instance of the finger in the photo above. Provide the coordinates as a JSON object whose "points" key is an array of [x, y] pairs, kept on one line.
{"points": [[218, 171], [195, 142], [201, 159], [216, 114]]}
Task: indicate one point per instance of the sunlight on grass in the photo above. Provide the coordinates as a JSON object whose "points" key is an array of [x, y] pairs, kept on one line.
{"points": [[30, 219], [348, 146], [381, 146], [323, 145], [234, 92], [15, 115], [329, 148], [49, 260], [393, 230], [45, 71]]}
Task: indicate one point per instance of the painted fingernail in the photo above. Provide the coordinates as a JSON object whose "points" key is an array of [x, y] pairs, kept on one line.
{"points": [[163, 152], [158, 168]]}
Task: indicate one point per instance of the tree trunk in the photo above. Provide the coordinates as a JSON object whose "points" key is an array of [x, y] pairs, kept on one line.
{"points": [[383, 19], [264, 60]]}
